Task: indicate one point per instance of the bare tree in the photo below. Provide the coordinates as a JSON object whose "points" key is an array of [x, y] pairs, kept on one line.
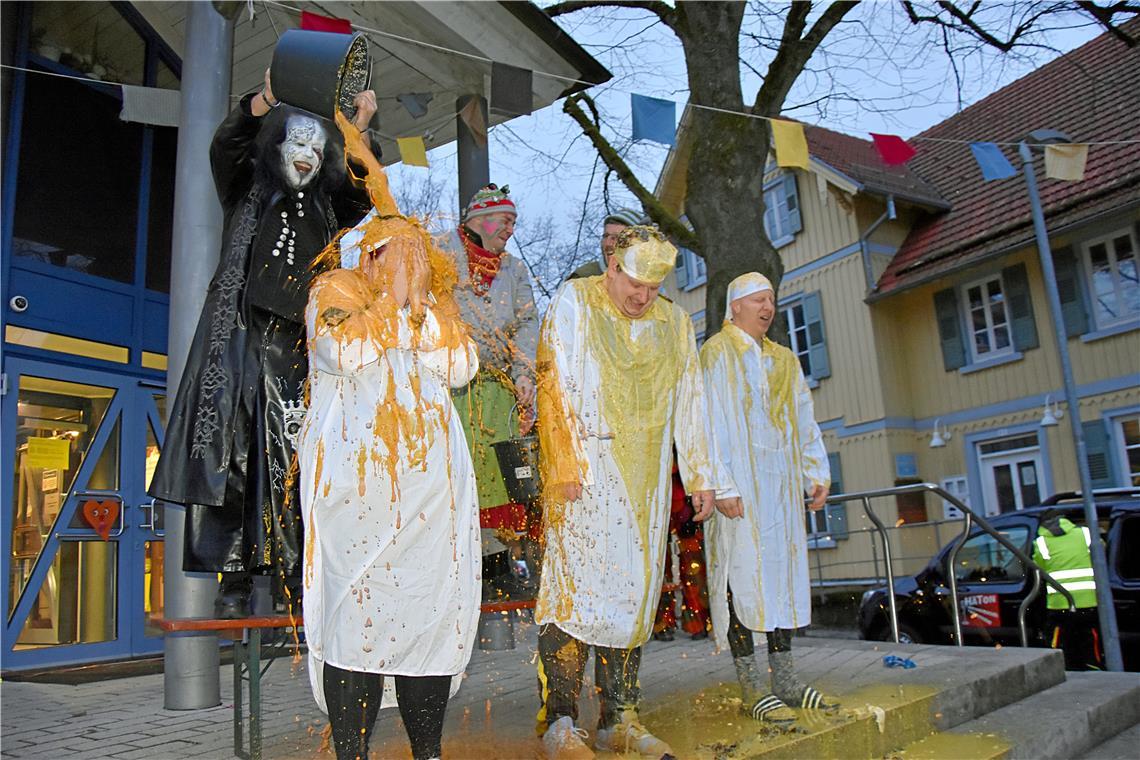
{"points": [[730, 137]]}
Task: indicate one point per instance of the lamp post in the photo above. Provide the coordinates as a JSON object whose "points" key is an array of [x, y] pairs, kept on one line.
{"points": [[1105, 611]]}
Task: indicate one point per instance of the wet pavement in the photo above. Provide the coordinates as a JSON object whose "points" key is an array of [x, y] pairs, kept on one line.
{"points": [[688, 699]]}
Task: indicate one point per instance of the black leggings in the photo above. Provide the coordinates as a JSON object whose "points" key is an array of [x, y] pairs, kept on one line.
{"points": [[740, 638], [353, 700]]}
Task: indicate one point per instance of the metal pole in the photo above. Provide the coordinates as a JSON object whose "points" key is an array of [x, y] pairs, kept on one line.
{"points": [[474, 158], [191, 659], [1105, 610]]}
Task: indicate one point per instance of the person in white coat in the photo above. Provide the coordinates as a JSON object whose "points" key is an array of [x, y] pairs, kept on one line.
{"points": [[619, 384], [388, 493], [768, 439]]}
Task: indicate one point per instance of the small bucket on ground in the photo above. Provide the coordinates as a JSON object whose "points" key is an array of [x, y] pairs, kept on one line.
{"points": [[518, 462]]}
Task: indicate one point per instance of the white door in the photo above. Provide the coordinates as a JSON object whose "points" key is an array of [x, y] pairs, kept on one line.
{"points": [[1010, 469]]}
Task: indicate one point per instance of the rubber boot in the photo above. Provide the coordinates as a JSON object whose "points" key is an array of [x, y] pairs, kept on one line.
{"points": [[790, 689], [755, 702], [233, 597]]}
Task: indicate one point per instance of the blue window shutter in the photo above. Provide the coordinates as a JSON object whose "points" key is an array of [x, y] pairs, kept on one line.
{"points": [[1070, 286], [795, 221], [700, 272], [1015, 281], [681, 270], [836, 513], [949, 329], [817, 337], [769, 218], [1098, 450]]}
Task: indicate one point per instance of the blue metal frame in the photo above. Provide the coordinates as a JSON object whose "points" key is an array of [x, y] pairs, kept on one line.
{"points": [[134, 414], [132, 404], [156, 51]]}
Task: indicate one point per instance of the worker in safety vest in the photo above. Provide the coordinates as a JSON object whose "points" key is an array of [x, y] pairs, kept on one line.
{"points": [[1062, 550]]}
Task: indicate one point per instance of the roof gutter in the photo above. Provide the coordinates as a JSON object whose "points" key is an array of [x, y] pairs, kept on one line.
{"points": [[865, 251]]}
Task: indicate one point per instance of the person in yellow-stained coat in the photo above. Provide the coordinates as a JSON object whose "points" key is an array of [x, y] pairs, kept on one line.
{"points": [[619, 384], [768, 440], [387, 485]]}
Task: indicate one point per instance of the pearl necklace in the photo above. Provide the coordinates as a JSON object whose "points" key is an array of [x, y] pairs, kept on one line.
{"points": [[288, 239]]}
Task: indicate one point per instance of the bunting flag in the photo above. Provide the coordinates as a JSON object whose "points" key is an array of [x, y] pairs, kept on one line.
{"points": [[412, 151], [992, 161], [472, 116], [415, 103], [313, 22], [1066, 161], [512, 89], [791, 145], [654, 119], [892, 149], [151, 105]]}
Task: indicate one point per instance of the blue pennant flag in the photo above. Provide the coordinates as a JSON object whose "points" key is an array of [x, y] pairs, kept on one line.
{"points": [[654, 119], [992, 161]]}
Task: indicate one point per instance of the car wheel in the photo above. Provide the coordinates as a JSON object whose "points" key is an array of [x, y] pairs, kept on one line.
{"points": [[907, 635]]}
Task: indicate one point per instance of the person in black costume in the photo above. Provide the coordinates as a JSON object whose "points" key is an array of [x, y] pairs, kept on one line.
{"points": [[230, 440]]}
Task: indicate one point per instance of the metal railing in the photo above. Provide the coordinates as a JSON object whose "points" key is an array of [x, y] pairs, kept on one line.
{"points": [[970, 519]]}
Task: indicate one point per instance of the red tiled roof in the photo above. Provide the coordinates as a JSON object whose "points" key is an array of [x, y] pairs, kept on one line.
{"points": [[859, 160], [1092, 94]]}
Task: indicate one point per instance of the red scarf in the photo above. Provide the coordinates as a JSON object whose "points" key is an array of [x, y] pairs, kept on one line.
{"points": [[482, 265]]}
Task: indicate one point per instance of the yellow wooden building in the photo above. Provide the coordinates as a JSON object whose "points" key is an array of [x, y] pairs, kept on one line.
{"points": [[914, 299]]}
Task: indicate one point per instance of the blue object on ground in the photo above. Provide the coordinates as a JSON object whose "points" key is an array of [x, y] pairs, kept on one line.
{"points": [[894, 661]]}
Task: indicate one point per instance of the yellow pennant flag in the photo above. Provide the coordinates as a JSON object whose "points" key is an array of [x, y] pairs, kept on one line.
{"points": [[412, 151], [791, 145], [1066, 161]]}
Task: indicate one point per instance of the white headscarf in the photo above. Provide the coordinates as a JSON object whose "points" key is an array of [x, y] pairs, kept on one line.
{"points": [[744, 285]]}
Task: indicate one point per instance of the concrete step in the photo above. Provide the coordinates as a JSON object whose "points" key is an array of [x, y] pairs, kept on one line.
{"points": [[1123, 746], [881, 709], [1064, 721]]}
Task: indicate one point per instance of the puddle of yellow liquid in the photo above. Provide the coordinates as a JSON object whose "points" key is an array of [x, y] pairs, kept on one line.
{"points": [[954, 746], [711, 726]]}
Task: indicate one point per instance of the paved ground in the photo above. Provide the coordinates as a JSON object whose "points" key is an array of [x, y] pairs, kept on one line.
{"points": [[492, 716]]}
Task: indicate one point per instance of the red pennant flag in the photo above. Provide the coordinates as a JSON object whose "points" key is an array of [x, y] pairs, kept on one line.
{"points": [[892, 149], [312, 22]]}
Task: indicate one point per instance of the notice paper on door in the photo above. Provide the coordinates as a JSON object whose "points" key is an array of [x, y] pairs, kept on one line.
{"points": [[48, 452]]}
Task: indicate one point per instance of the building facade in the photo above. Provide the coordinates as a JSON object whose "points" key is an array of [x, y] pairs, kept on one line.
{"points": [[914, 299], [85, 273]]}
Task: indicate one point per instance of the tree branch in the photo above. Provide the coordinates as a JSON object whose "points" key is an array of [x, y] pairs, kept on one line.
{"points": [[662, 10], [668, 223], [1103, 16], [794, 53]]}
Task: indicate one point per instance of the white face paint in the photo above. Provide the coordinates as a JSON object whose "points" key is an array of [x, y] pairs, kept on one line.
{"points": [[303, 150]]}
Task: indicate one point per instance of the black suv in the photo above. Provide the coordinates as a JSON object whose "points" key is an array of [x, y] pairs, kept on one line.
{"points": [[992, 582]]}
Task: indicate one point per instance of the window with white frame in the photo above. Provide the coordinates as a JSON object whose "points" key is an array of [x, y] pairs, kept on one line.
{"points": [[1128, 446], [958, 487], [782, 218], [987, 317], [817, 524], [798, 336], [1111, 268], [690, 269]]}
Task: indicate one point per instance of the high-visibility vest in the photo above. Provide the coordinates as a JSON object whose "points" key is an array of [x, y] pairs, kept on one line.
{"points": [[1066, 558]]}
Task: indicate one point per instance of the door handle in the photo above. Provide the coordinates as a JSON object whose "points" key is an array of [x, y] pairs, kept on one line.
{"points": [[149, 507]]}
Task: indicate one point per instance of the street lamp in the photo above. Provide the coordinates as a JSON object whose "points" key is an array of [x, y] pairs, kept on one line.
{"points": [[1036, 141]]}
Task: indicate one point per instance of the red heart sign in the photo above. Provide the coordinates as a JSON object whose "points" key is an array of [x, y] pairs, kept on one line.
{"points": [[101, 515]]}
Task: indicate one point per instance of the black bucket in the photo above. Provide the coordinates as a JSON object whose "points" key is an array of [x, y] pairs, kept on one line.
{"points": [[518, 461], [320, 71]]}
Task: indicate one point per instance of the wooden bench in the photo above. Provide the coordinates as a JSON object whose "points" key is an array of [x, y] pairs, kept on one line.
{"points": [[246, 636]]}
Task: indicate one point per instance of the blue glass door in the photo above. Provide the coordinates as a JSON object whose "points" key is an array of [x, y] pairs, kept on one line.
{"points": [[82, 545]]}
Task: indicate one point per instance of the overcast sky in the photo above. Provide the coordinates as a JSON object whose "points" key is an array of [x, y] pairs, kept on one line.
{"points": [[875, 73]]}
